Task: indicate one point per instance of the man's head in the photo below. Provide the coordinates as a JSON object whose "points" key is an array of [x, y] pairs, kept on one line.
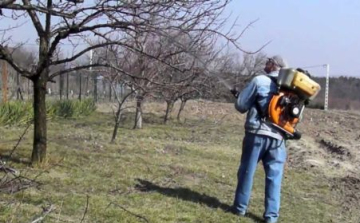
{"points": [[274, 63]]}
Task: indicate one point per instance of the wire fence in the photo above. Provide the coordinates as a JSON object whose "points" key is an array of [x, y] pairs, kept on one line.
{"points": [[75, 85]]}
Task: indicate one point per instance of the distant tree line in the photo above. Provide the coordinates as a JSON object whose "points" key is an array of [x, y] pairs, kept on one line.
{"points": [[344, 92]]}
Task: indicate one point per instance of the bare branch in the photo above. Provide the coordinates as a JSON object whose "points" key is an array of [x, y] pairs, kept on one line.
{"points": [[5, 55], [17, 7], [126, 210], [18, 142], [46, 211], [35, 19], [86, 208], [4, 3]]}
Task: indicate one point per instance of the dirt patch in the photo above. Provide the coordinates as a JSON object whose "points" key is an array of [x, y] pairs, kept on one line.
{"points": [[349, 189], [333, 148]]}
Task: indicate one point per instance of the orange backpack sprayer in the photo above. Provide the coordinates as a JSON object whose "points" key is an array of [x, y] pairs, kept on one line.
{"points": [[295, 90]]}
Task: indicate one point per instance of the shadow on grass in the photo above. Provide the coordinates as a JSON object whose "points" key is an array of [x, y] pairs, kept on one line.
{"points": [[189, 195]]}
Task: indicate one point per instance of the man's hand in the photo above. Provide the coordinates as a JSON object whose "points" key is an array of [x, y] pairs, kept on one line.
{"points": [[235, 92]]}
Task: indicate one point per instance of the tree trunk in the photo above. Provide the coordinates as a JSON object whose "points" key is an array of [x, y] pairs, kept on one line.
{"points": [[182, 106], [18, 86], [110, 91], [95, 89], [103, 90], [39, 81], [39, 144], [18, 90], [119, 113], [80, 87], [4, 81], [138, 113], [169, 107], [117, 123], [87, 85], [61, 86], [122, 89]]}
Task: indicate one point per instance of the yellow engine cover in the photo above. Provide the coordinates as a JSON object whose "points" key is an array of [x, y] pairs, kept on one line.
{"points": [[307, 86], [299, 82]]}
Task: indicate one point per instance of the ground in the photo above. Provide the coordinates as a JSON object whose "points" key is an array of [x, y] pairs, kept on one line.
{"points": [[181, 172]]}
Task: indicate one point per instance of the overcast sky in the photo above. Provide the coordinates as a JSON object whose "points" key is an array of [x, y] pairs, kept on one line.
{"points": [[305, 32]]}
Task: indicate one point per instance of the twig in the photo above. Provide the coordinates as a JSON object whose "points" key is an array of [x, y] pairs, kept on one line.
{"points": [[8, 169], [23, 181], [86, 208], [219, 122], [18, 142], [124, 209], [58, 218], [45, 212]]}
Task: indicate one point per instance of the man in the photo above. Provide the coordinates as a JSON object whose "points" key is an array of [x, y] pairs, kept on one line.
{"points": [[261, 142]]}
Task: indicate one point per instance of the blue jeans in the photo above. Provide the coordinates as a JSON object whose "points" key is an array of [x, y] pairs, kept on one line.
{"points": [[272, 152]]}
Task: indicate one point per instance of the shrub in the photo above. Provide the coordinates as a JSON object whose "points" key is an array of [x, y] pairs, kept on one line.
{"points": [[20, 112], [73, 109], [15, 112]]}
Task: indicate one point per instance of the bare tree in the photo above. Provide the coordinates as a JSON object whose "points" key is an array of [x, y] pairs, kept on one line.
{"points": [[187, 83], [175, 82], [252, 64], [120, 62], [98, 23]]}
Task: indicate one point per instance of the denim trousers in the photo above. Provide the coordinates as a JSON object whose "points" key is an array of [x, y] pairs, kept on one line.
{"points": [[272, 153]]}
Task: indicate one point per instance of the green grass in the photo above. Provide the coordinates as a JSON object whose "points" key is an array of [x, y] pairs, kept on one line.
{"points": [[181, 172]]}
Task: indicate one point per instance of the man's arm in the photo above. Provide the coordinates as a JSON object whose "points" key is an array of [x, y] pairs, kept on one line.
{"points": [[247, 97]]}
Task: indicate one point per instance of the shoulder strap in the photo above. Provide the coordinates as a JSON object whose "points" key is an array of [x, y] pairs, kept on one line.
{"points": [[274, 80]]}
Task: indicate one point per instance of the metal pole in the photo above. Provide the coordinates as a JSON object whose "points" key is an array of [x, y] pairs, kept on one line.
{"points": [[326, 105]]}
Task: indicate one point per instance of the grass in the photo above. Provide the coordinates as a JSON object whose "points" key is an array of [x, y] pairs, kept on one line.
{"points": [[180, 172]]}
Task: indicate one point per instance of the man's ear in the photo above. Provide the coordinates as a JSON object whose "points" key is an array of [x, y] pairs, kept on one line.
{"points": [[273, 67]]}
